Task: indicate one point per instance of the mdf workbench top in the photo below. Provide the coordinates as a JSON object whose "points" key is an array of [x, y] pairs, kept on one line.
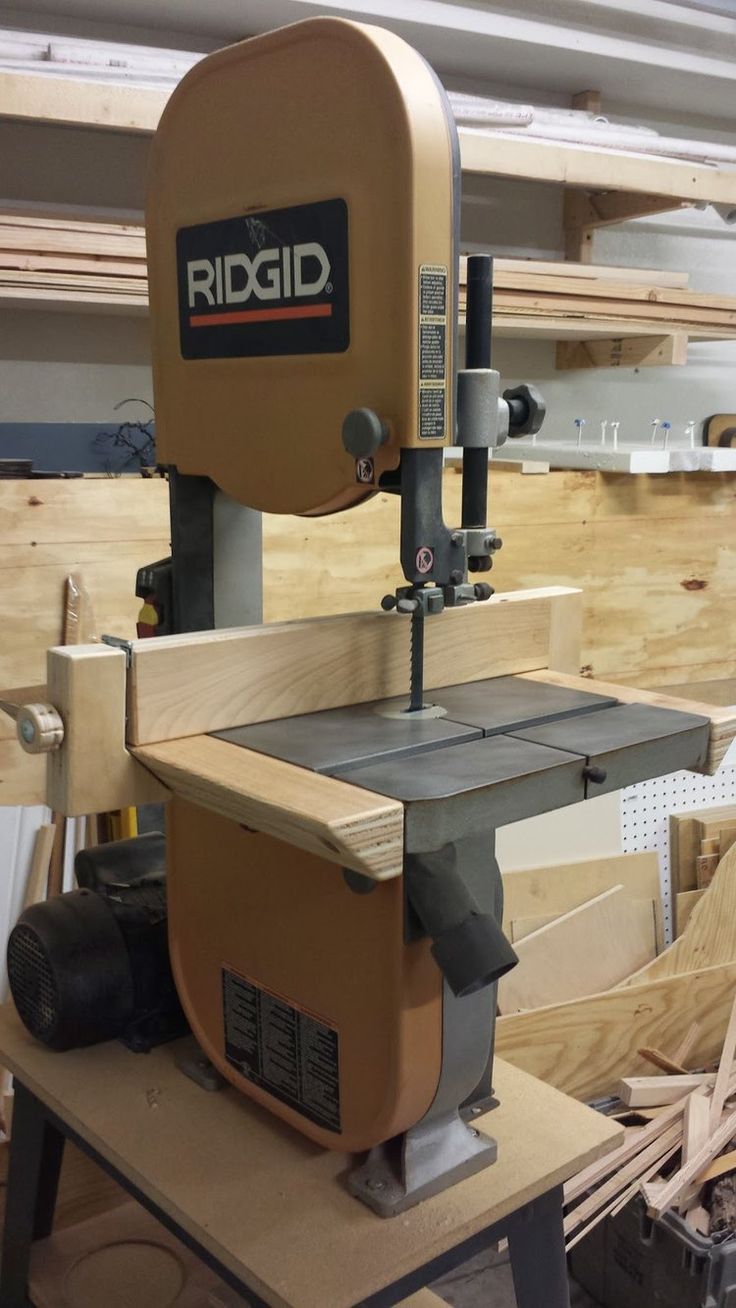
{"points": [[268, 1203]]}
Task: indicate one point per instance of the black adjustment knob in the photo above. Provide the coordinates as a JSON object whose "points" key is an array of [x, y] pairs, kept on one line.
{"points": [[363, 433], [482, 590], [593, 773], [527, 410]]}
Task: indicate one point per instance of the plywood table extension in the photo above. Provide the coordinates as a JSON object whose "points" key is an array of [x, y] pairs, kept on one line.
{"points": [[263, 1205]]}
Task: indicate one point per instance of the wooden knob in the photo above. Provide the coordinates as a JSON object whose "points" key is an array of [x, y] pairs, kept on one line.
{"points": [[39, 728]]}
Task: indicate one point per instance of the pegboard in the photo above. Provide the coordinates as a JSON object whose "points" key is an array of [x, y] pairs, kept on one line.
{"points": [[646, 809]]}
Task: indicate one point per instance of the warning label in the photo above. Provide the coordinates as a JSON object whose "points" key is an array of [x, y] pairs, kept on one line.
{"points": [[282, 1048], [432, 351]]}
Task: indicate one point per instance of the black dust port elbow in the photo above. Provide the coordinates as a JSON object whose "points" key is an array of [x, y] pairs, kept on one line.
{"points": [[468, 945]]}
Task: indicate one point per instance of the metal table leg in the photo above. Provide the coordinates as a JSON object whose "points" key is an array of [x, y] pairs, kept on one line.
{"points": [[537, 1249], [36, 1151]]}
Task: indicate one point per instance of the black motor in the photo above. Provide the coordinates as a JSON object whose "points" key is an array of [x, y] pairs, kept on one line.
{"points": [[93, 964]]}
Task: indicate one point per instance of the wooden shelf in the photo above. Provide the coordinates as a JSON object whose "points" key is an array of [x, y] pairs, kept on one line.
{"points": [[45, 98], [598, 316], [595, 169], [40, 97], [583, 343]]}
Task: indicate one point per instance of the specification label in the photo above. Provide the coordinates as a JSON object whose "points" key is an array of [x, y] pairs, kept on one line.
{"points": [[432, 351], [291, 1053]]}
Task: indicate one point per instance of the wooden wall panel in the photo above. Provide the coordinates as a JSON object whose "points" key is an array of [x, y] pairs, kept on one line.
{"points": [[104, 528], [654, 555]]}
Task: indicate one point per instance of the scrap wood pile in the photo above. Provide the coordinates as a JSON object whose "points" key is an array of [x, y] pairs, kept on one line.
{"points": [[595, 984], [44, 258], [679, 1148], [650, 301]]}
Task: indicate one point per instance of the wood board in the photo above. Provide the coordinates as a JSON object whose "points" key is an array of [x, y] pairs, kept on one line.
{"points": [[591, 167], [686, 832], [709, 937], [207, 681], [102, 266], [582, 952], [303, 1227], [684, 904], [353, 827], [583, 1047], [553, 890], [521, 927], [92, 771]]}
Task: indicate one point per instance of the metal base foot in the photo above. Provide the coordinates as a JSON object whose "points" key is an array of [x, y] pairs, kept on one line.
{"points": [[196, 1065], [429, 1158]]}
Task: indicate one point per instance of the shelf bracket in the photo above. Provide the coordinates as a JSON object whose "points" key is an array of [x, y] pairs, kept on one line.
{"points": [[622, 352], [584, 211]]}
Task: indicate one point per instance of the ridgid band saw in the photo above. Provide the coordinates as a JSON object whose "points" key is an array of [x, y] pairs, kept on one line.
{"points": [[302, 224]]}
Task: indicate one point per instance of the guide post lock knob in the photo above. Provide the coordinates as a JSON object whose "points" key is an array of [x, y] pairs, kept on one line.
{"points": [[527, 410]]}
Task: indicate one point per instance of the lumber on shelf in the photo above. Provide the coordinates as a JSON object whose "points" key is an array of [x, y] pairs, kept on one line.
{"points": [[42, 257], [645, 317]]}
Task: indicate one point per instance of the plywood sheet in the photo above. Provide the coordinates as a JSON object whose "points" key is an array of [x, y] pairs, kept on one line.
{"points": [[649, 615], [104, 528], [585, 1046], [553, 890], [207, 681], [580, 953], [650, 624], [710, 935], [684, 904], [345, 824]]}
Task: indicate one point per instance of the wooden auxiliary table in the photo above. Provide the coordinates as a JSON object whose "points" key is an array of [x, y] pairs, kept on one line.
{"points": [[262, 1205]]}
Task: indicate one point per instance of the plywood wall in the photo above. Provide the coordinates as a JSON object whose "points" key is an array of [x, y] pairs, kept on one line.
{"points": [[103, 528], [655, 556]]}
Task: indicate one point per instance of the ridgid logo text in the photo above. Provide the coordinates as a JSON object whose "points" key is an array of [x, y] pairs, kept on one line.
{"points": [[287, 274]]}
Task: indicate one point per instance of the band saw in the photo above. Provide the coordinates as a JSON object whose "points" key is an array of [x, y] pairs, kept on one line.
{"points": [[303, 230]]}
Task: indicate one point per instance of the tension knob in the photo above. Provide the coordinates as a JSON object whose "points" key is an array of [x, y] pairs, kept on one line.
{"points": [[39, 728], [363, 433]]}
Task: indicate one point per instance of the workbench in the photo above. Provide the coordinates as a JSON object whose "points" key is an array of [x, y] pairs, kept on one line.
{"points": [[265, 1207]]}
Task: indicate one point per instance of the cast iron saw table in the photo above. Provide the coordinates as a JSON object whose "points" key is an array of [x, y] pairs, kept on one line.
{"points": [[502, 750]]}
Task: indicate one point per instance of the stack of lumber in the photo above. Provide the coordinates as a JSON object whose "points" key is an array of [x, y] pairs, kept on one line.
{"points": [[678, 1123], [585, 1043], [64, 260], [698, 841], [95, 263], [634, 300]]}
